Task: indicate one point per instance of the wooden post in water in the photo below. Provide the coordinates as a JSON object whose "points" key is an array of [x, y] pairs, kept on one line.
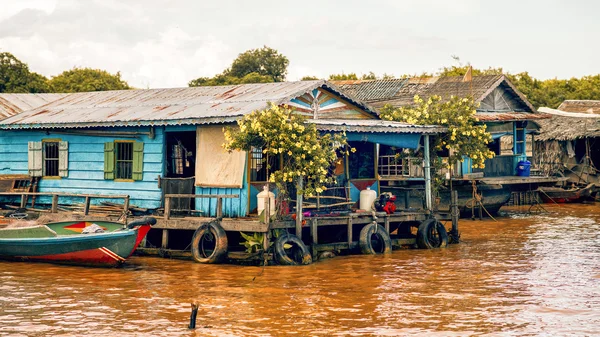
{"points": [[455, 214], [299, 187], [193, 316]]}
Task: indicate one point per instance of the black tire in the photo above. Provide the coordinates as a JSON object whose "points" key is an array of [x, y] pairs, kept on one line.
{"points": [[209, 244], [374, 240], [432, 234], [297, 254]]}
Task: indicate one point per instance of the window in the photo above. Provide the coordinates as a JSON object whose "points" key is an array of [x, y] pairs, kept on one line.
{"points": [[123, 160], [258, 164], [50, 157]]}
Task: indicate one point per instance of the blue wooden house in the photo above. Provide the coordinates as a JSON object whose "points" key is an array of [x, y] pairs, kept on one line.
{"points": [[145, 143]]}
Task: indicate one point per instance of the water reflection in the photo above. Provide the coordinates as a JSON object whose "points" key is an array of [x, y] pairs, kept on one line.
{"points": [[522, 275]]}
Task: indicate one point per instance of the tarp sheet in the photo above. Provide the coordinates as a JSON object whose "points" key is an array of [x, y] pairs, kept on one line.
{"points": [[216, 167], [401, 140]]}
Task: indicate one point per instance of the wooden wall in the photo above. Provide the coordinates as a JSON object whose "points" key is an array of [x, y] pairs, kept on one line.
{"points": [[86, 165]]}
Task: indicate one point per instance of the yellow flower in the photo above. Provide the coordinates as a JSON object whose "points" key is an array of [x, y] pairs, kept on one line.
{"points": [[353, 150], [289, 153]]}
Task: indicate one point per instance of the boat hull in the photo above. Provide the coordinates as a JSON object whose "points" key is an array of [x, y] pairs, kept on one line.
{"points": [[561, 196], [106, 249]]}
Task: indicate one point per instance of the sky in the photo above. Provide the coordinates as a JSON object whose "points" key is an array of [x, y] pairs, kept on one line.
{"points": [[158, 44]]}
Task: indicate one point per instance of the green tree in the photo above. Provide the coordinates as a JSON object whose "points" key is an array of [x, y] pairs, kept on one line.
{"points": [[280, 131], [465, 137], [262, 65], [263, 61], [87, 79], [309, 78], [222, 79], [15, 76], [343, 77]]}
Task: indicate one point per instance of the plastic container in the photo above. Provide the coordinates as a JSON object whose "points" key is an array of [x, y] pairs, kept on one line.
{"points": [[260, 201], [367, 198], [523, 168]]}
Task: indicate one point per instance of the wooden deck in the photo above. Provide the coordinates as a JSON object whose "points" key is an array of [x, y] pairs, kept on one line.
{"points": [[350, 224]]}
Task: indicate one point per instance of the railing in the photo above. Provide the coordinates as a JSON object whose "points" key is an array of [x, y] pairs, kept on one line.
{"points": [[499, 166], [55, 196], [219, 197]]}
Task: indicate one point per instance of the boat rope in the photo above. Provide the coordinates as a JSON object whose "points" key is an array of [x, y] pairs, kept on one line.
{"points": [[477, 199]]}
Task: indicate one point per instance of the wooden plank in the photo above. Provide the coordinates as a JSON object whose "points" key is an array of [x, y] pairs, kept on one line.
{"points": [[165, 239], [24, 200], [387, 224], [404, 242], [103, 196], [230, 196], [335, 246], [219, 208], [349, 230], [314, 226], [167, 208]]}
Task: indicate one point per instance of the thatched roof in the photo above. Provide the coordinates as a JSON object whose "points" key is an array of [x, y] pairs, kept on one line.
{"points": [[562, 127], [499, 99], [585, 106]]}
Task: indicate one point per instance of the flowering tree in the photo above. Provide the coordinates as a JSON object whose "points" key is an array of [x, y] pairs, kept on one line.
{"points": [[280, 131], [465, 136]]}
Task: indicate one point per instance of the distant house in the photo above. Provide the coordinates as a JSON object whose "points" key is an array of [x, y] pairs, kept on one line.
{"points": [[569, 143], [148, 143], [12, 104], [504, 109]]}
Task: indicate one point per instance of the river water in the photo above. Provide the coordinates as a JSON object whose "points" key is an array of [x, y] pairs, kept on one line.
{"points": [[524, 275]]}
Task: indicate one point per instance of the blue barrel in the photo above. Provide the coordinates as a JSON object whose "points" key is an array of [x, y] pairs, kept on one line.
{"points": [[523, 168]]}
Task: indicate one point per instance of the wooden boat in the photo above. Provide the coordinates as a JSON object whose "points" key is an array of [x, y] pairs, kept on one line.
{"points": [[67, 243], [562, 195]]}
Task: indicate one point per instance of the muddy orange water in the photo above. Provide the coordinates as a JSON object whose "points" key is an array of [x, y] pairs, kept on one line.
{"points": [[523, 275]]}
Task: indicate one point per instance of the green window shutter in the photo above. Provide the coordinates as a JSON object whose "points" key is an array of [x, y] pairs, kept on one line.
{"points": [[34, 156], [63, 159], [138, 161], [109, 161]]}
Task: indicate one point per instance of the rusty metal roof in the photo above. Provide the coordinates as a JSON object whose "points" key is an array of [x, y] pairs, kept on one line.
{"points": [[12, 104], [583, 106], [371, 90], [198, 105], [509, 116], [401, 92], [374, 125]]}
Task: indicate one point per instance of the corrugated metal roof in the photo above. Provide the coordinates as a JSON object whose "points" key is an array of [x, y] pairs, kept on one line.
{"points": [[401, 92], [196, 105], [583, 106], [509, 116], [370, 90], [12, 104], [374, 125]]}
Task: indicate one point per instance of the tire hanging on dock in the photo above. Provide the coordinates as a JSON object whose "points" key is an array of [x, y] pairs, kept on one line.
{"points": [[209, 243], [374, 240], [296, 252], [432, 234]]}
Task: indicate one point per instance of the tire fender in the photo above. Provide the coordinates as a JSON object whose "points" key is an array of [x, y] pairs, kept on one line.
{"points": [[299, 254], [214, 232], [432, 234], [365, 240]]}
